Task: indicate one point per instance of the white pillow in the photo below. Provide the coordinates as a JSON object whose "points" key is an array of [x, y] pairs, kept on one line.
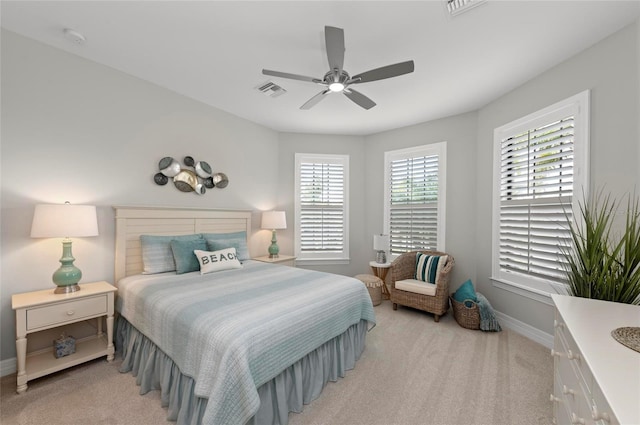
{"points": [[213, 261]]}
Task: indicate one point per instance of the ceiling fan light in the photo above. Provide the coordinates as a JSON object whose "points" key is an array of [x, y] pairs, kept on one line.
{"points": [[336, 87]]}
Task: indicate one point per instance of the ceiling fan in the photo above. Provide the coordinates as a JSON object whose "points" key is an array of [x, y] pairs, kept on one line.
{"points": [[337, 79]]}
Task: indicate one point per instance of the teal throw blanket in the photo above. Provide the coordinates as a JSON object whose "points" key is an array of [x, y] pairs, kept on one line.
{"points": [[488, 320]]}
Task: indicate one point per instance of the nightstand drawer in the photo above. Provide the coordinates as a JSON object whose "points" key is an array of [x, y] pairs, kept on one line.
{"points": [[66, 312]]}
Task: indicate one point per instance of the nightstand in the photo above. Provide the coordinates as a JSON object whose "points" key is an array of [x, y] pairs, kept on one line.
{"points": [[284, 260], [40, 310]]}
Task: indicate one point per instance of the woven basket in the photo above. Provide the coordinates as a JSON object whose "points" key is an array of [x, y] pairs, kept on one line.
{"points": [[467, 317], [376, 295], [374, 285]]}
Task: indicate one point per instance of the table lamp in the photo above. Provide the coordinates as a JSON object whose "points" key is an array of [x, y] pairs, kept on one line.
{"points": [[274, 220], [381, 244], [65, 221]]}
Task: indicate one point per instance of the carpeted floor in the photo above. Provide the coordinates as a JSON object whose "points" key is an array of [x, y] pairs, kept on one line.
{"points": [[413, 371]]}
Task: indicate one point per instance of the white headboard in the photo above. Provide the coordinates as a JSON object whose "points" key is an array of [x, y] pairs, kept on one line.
{"points": [[131, 222]]}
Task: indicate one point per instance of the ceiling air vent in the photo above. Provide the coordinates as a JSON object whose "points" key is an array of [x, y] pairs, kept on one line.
{"points": [[456, 7], [271, 89]]}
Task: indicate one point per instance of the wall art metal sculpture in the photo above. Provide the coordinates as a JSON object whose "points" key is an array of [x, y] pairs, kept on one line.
{"points": [[198, 177]]}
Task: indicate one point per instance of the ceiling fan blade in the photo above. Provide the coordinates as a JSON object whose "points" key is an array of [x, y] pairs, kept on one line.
{"points": [[359, 99], [290, 76], [314, 100], [334, 39], [384, 72]]}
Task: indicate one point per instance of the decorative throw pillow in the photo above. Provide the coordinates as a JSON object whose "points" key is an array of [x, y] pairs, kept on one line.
{"points": [[213, 261], [428, 267], [186, 260], [466, 293], [237, 240], [157, 256]]}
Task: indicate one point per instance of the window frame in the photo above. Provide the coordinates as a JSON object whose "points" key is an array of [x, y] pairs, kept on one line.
{"points": [[439, 149], [318, 257], [577, 106]]}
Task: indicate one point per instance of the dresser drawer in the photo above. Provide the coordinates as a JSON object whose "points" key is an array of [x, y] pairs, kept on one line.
{"points": [[573, 396], [561, 412], [600, 409], [71, 311], [567, 349]]}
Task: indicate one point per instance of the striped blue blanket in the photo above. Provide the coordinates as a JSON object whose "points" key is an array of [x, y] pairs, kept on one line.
{"points": [[232, 331]]}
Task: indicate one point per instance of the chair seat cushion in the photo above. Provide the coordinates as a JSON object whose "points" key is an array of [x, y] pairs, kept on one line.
{"points": [[416, 286]]}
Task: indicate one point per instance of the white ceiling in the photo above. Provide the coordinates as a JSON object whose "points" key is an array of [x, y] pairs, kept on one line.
{"points": [[214, 51]]}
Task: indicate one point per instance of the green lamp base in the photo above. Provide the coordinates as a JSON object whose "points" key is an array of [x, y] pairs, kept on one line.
{"points": [[68, 275], [274, 249]]}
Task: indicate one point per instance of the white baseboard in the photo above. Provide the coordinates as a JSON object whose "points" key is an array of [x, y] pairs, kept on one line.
{"points": [[523, 329], [7, 367]]}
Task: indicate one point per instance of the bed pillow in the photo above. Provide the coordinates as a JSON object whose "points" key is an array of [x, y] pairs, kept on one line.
{"points": [[183, 255], [237, 240], [157, 256], [466, 293], [428, 267], [214, 261]]}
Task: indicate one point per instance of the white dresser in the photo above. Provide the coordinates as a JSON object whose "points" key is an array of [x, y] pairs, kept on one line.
{"points": [[596, 379]]}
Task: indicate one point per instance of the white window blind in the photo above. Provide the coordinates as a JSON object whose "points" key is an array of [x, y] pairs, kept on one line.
{"points": [[321, 207], [414, 198], [537, 165], [536, 190]]}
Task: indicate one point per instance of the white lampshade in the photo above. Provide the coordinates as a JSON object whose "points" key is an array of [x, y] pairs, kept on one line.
{"points": [[274, 220], [64, 221], [381, 242]]}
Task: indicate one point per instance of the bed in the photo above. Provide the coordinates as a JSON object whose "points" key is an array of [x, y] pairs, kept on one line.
{"points": [[235, 346]]}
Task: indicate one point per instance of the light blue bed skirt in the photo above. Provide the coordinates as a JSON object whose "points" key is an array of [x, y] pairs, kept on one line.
{"points": [[297, 385]]}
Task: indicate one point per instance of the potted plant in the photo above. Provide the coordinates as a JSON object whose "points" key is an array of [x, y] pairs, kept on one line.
{"points": [[604, 262]]}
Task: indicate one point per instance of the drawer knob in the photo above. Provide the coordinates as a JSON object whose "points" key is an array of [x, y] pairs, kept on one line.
{"points": [[597, 415], [577, 420], [70, 313], [566, 390], [573, 356], [557, 324], [554, 399], [555, 353]]}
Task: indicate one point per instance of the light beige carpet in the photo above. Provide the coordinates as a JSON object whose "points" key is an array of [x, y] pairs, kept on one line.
{"points": [[413, 371]]}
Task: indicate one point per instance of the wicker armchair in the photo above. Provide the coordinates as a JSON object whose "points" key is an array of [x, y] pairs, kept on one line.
{"points": [[404, 267]]}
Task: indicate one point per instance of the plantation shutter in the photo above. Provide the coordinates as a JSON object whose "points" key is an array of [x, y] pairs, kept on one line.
{"points": [[536, 192], [321, 207], [413, 209]]}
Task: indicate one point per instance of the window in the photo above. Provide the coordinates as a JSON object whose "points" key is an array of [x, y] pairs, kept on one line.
{"points": [[540, 170], [322, 230], [414, 198]]}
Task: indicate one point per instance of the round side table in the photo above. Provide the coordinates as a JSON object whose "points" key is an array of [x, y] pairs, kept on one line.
{"points": [[380, 270]]}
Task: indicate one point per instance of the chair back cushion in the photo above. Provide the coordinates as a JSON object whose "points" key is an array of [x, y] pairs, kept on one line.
{"points": [[428, 267]]}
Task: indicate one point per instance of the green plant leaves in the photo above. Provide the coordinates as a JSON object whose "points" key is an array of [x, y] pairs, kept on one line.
{"points": [[603, 263]]}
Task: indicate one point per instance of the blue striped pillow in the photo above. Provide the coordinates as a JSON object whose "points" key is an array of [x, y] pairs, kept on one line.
{"points": [[428, 267]]}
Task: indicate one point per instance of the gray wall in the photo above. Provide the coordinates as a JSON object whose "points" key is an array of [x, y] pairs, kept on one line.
{"points": [[78, 131], [460, 134], [610, 70], [360, 244]]}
